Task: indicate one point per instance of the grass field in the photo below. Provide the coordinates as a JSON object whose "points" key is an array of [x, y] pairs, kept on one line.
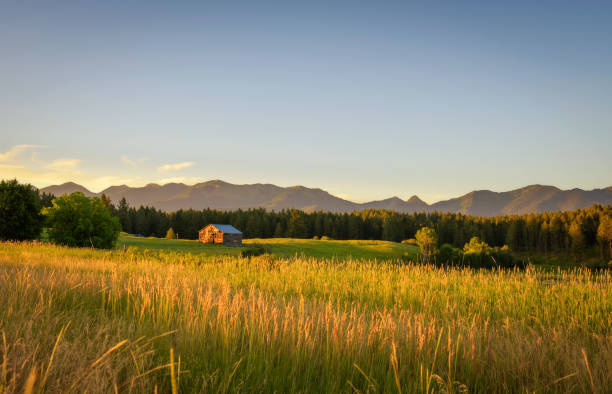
{"points": [[283, 247], [76, 320]]}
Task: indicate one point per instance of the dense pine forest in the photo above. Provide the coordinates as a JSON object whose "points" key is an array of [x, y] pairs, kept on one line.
{"points": [[573, 231]]}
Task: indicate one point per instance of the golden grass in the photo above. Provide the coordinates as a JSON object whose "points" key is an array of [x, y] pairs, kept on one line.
{"points": [[106, 321]]}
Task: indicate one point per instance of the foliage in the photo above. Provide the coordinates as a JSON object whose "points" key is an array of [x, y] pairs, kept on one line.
{"points": [[410, 241], [604, 236], [46, 200], [300, 325], [448, 255], [278, 247], [20, 217], [254, 250], [545, 232], [476, 246], [427, 240], [170, 234], [76, 220], [477, 254]]}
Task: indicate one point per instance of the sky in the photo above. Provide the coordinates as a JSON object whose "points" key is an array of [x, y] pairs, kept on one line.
{"points": [[366, 100]]}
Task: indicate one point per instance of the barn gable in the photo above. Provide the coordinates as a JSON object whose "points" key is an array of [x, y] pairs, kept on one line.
{"points": [[224, 234]]}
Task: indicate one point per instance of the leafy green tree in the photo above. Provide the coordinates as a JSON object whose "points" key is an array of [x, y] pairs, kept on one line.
{"points": [[20, 217], [170, 234], [476, 246], [604, 236], [76, 220], [427, 239], [448, 255]]}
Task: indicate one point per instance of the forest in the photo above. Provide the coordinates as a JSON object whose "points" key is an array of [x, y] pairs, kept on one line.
{"points": [[573, 231]]}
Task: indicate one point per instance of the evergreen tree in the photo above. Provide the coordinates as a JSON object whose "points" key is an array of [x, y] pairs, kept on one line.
{"points": [[604, 236], [170, 234], [577, 239]]}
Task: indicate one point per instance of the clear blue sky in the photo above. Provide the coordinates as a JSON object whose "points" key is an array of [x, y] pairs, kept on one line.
{"points": [[364, 99]]}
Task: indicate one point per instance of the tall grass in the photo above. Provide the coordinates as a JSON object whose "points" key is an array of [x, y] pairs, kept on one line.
{"points": [[83, 320]]}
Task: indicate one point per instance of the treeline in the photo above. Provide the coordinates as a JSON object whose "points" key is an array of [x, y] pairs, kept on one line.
{"points": [[545, 232]]}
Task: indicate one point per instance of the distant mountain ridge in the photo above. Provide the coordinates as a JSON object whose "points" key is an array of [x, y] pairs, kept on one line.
{"points": [[221, 195]]}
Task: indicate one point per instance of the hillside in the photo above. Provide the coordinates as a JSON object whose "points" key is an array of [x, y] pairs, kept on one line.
{"points": [[221, 195]]}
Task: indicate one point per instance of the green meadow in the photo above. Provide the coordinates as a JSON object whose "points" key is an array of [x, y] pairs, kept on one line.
{"points": [[139, 319], [282, 247]]}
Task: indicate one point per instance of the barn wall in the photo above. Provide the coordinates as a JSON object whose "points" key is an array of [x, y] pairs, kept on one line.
{"points": [[208, 235]]}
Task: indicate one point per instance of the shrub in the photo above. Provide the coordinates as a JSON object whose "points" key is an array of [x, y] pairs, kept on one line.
{"points": [[316, 238], [20, 217], [449, 255], [170, 234], [476, 246], [255, 250], [325, 238], [410, 241], [76, 220]]}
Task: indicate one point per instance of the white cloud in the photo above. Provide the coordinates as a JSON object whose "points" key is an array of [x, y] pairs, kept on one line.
{"points": [[134, 162], [175, 167], [63, 164], [15, 152]]}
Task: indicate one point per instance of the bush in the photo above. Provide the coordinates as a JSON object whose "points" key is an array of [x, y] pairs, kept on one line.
{"points": [[325, 238], [410, 241], [255, 250], [447, 255], [20, 217], [76, 220], [316, 238], [170, 234]]}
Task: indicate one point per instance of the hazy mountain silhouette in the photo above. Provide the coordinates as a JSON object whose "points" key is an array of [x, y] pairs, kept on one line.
{"points": [[221, 195], [67, 188]]}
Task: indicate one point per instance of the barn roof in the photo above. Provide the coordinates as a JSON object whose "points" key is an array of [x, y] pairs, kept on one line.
{"points": [[227, 228]]}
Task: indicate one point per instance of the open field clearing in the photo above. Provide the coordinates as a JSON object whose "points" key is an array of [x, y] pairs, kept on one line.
{"points": [[81, 320], [282, 247]]}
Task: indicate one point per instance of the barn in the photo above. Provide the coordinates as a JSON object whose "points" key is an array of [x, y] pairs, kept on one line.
{"points": [[224, 234]]}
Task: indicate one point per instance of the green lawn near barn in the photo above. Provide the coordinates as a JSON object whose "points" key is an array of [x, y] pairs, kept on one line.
{"points": [[281, 247]]}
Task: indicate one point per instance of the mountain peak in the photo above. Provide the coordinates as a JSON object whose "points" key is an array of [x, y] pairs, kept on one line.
{"points": [[217, 194], [415, 200]]}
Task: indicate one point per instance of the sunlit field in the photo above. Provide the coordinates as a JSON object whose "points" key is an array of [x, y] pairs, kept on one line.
{"points": [[76, 320], [281, 247]]}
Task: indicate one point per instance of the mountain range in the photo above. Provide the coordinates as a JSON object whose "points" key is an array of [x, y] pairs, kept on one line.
{"points": [[221, 195]]}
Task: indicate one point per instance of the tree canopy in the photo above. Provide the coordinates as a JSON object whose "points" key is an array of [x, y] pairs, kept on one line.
{"points": [[76, 220], [427, 239], [20, 217]]}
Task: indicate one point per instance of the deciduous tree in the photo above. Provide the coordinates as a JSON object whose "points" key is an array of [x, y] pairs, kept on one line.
{"points": [[20, 217], [428, 242], [76, 220]]}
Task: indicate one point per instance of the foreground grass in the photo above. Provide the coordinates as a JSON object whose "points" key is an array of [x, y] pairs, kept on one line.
{"points": [[281, 247], [96, 321]]}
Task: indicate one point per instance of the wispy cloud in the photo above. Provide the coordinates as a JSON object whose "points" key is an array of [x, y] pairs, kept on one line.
{"points": [[63, 164], [15, 152], [175, 167], [132, 162]]}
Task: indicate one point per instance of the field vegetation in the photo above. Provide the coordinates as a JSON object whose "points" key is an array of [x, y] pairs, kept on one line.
{"points": [[281, 247], [76, 320]]}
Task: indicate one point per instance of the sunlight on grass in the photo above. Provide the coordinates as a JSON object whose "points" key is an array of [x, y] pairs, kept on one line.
{"points": [[105, 321]]}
